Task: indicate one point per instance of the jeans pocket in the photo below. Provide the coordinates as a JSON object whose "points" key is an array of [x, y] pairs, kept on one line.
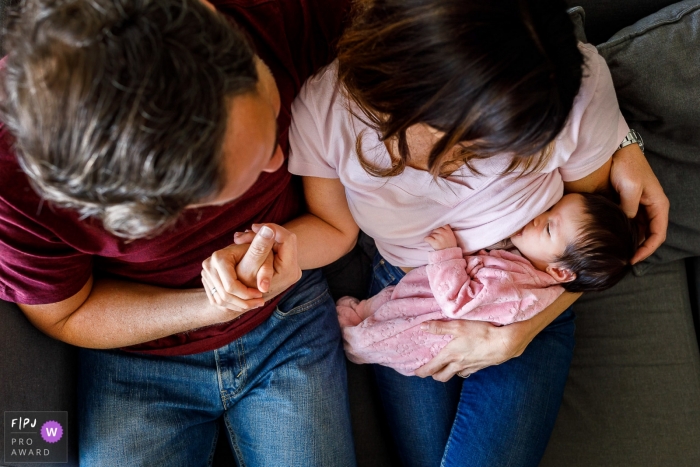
{"points": [[308, 293], [383, 275]]}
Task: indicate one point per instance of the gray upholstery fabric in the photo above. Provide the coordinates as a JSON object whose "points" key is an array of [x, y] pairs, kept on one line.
{"points": [[655, 65], [578, 17], [693, 268], [633, 393], [36, 373], [605, 17], [632, 398]]}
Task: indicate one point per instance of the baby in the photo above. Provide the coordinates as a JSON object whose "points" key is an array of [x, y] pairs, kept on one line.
{"points": [[583, 243]]}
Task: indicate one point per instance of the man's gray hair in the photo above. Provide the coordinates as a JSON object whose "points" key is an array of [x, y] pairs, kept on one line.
{"points": [[119, 107]]}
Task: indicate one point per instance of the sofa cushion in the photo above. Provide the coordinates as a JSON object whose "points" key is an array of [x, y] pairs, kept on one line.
{"points": [[37, 373], [578, 17], [633, 393], [604, 17], [655, 65]]}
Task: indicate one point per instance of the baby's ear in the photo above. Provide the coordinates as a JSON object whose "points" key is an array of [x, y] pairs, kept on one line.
{"points": [[560, 274]]}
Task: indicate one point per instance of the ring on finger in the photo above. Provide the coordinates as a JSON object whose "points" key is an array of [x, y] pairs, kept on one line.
{"points": [[459, 373], [213, 290]]}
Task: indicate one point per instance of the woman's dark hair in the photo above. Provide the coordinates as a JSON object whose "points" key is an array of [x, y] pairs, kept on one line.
{"points": [[499, 74], [602, 252], [119, 107]]}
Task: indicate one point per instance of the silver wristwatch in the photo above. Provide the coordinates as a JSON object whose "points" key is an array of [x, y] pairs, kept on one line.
{"points": [[633, 137]]}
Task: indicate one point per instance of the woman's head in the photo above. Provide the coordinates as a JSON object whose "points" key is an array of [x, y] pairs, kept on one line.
{"points": [[499, 74]]}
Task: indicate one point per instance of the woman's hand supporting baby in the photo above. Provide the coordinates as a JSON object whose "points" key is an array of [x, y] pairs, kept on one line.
{"points": [[477, 345], [632, 177], [261, 265]]}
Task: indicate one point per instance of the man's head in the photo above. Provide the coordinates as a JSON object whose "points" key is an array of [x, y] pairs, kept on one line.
{"points": [[585, 242], [132, 110]]}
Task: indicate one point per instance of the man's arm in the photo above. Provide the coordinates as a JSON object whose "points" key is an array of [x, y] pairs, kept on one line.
{"points": [[108, 313]]}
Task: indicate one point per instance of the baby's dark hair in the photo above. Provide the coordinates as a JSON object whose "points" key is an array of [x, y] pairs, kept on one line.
{"points": [[601, 254]]}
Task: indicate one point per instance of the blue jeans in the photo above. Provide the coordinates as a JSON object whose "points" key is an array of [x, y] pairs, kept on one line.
{"points": [[500, 416], [281, 388]]}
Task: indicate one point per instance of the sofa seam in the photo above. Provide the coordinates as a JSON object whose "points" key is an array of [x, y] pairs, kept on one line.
{"points": [[662, 22]]}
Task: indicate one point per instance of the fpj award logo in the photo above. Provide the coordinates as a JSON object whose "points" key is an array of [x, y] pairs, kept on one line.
{"points": [[36, 437]]}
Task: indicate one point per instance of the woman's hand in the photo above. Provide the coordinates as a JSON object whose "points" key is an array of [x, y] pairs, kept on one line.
{"points": [[632, 177], [475, 345], [241, 277]]}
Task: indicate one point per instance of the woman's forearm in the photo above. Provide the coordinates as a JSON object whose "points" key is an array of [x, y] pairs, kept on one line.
{"points": [[528, 330], [597, 181], [329, 230], [318, 242]]}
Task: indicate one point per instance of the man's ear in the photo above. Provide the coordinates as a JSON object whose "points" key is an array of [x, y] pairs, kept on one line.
{"points": [[560, 274]]}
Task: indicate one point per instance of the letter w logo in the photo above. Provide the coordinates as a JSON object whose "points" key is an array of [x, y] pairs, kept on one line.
{"points": [[52, 431]]}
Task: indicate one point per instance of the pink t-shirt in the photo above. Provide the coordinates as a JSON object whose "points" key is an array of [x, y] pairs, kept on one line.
{"points": [[398, 212]]}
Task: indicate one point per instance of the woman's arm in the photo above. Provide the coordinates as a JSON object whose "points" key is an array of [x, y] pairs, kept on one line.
{"points": [[630, 175], [477, 344], [310, 241], [328, 231], [598, 181]]}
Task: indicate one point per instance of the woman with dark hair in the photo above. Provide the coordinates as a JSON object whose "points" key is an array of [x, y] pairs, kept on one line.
{"points": [[478, 115]]}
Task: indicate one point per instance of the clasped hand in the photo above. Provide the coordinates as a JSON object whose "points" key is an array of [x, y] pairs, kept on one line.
{"points": [[260, 265]]}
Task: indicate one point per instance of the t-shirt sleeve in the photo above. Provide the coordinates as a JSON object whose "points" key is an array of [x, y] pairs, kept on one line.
{"points": [[313, 127], [596, 126], [36, 267]]}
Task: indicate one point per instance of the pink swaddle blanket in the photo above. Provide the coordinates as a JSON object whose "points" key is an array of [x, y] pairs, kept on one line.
{"points": [[496, 286]]}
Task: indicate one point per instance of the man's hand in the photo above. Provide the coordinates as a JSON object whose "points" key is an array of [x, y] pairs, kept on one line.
{"points": [[261, 265], [221, 282], [632, 177]]}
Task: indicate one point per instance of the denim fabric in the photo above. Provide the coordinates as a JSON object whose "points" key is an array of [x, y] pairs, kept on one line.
{"points": [[502, 415], [281, 389]]}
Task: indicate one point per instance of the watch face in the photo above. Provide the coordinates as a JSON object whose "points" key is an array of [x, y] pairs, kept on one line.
{"points": [[637, 139]]}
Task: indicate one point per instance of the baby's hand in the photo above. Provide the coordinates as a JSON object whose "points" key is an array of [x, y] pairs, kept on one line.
{"points": [[442, 238]]}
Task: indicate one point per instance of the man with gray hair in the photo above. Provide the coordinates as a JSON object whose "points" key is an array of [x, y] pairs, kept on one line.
{"points": [[138, 136]]}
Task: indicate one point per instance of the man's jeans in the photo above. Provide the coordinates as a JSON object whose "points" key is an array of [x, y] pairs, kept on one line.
{"points": [[281, 388], [500, 416]]}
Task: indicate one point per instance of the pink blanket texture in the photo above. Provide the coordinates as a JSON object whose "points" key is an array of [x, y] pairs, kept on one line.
{"points": [[495, 286]]}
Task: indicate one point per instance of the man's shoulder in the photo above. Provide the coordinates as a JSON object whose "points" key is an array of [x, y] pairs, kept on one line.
{"points": [[19, 202], [14, 184], [299, 35]]}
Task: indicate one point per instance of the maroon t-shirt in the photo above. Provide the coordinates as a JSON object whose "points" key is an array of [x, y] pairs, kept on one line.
{"points": [[47, 254]]}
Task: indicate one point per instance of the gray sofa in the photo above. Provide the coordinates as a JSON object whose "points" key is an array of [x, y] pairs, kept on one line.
{"points": [[633, 393]]}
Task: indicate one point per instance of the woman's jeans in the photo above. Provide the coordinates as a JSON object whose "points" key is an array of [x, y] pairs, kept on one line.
{"points": [[500, 416], [281, 389]]}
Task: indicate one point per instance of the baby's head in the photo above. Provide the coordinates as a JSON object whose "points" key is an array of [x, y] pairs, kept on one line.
{"points": [[585, 242]]}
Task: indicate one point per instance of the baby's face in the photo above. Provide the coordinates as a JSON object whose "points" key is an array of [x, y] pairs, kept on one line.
{"points": [[545, 238]]}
